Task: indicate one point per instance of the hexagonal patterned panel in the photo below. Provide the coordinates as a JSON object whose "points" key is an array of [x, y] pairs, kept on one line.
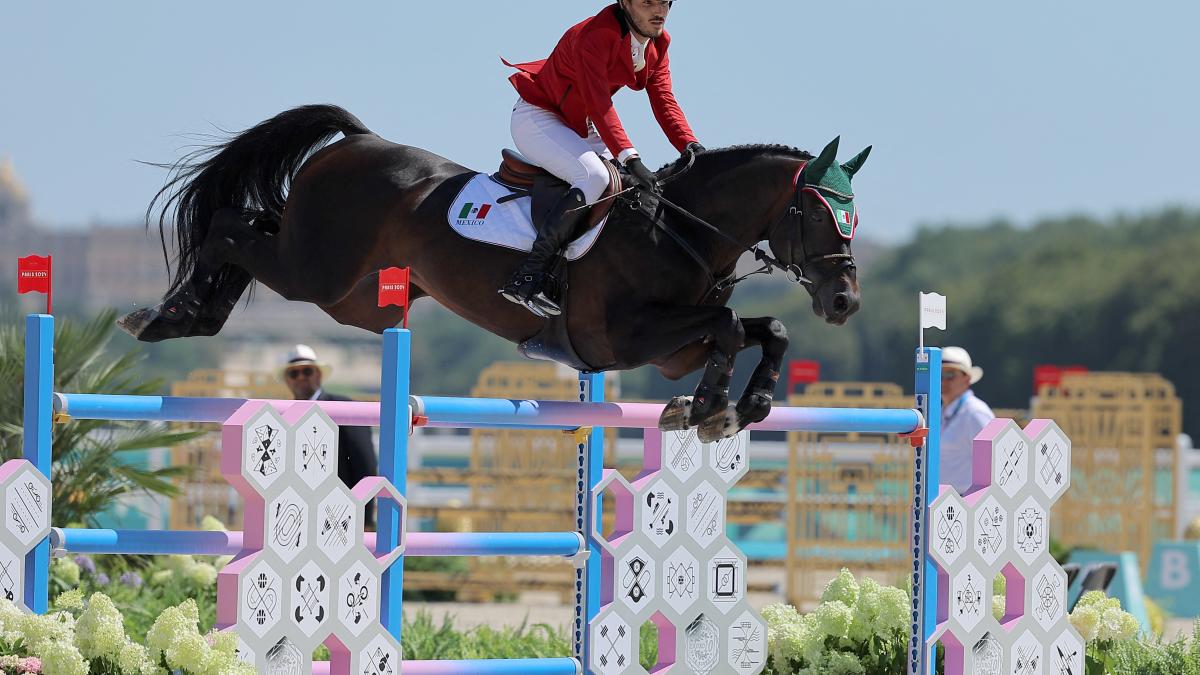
{"points": [[951, 528], [358, 594], [337, 523], [705, 514], [986, 656], [261, 435], [747, 646], [1023, 472], [702, 645], [613, 644], [683, 454], [970, 599], [1047, 599], [12, 576], [1065, 654], [315, 456], [287, 525], [682, 577], [287, 658], [617, 494], [990, 520], [637, 581], [1031, 534], [260, 598], [26, 504], [730, 457], [1051, 459], [725, 579], [659, 512], [1026, 656], [309, 591], [380, 656]]}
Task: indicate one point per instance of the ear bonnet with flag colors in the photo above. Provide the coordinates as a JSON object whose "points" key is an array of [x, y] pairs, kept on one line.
{"points": [[830, 182]]}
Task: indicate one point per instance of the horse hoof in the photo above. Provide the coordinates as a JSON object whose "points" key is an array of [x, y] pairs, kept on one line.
{"points": [[149, 325], [136, 322], [719, 426], [674, 417]]}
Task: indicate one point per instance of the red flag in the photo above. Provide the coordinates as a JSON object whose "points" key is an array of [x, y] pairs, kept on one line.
{"points": [[802, 372], [34, 276], [393, 289], [1052, 375]]}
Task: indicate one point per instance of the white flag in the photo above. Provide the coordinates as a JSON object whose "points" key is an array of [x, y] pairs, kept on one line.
{"points": [[933, 311]]}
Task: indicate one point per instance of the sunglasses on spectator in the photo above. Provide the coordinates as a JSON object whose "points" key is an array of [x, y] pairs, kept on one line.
{"points": [[306, 371]]}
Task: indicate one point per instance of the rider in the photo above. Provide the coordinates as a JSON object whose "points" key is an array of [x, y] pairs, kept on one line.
{"points": [[564, 121]]}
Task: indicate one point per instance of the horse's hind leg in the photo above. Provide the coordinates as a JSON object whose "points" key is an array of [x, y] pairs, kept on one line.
{"points": [[234, 252]]}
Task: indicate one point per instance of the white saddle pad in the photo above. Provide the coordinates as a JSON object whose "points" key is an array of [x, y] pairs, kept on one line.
{"points": [[476, 213]]}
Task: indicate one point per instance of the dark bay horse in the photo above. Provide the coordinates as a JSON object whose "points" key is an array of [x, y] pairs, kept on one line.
{"points": [[316, 223]]}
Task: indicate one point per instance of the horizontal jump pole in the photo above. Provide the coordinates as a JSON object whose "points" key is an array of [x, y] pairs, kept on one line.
{"points": [[543, 666], [483, 412], [417, 544], [194, 409]]}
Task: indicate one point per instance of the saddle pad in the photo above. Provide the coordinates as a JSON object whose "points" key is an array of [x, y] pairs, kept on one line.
{"points": [[476, 213]]}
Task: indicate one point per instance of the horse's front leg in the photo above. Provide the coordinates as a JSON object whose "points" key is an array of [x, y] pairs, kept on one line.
{"points": [[755, 403], [671, 331]]}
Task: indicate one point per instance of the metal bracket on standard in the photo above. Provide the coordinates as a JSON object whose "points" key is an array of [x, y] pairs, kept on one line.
{"points": [[57, 550], [581, 434], [917, 437], [579, 560]]}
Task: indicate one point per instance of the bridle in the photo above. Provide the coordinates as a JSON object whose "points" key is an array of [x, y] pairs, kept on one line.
{"points": [[794, 215]]}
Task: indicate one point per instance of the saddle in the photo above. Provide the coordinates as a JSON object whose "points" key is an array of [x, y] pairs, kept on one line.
{"points": [[527, 179]]}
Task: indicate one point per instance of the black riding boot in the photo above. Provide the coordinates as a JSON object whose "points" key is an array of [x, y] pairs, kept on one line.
{"points": [[527, 285]]}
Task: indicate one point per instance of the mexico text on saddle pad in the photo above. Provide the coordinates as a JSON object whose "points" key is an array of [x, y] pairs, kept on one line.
{"points": [[478, 213]]}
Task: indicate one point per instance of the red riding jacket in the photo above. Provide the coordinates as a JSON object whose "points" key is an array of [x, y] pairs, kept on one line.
{"points": [[591, 62]]}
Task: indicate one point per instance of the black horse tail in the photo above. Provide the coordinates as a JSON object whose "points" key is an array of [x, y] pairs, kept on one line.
{"points": [[251, 171]]}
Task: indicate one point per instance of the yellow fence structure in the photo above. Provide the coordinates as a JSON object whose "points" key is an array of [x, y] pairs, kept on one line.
{"points": [[847, 495], [1123, 429]]}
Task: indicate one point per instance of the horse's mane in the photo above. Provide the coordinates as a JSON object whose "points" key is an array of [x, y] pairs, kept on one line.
{"points": [[751, 149]]}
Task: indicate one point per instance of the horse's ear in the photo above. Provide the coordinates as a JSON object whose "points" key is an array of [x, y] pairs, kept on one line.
{"points": [[827, 157], [851, 167]]}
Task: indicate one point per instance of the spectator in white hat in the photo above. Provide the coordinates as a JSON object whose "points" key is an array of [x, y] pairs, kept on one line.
{"points": [[964, 415], [303, 372]]}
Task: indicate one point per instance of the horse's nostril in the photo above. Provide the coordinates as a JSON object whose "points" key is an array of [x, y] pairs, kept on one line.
{"points": [[840, 302]]}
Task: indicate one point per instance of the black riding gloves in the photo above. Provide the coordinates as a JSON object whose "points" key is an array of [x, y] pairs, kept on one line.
{"points": [[693, 148], [644, 177]]}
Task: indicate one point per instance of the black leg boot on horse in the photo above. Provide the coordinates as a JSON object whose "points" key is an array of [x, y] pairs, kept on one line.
{"points": [[528, 285]]}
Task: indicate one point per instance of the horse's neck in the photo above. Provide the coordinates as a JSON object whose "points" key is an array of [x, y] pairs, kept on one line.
{"points": [[743, 201]]}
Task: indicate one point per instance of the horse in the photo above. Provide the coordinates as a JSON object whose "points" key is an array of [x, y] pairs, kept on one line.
{"points": [[317, 220]]}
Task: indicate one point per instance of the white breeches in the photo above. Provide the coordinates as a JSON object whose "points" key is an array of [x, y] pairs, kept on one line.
{"points": [[543, 138]]}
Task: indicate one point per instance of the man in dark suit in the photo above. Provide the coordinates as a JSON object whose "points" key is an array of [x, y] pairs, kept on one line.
{"points": [[302, 373]]}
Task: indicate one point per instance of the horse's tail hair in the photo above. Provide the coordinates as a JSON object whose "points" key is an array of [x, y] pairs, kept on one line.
{"points": [[250, 171]]}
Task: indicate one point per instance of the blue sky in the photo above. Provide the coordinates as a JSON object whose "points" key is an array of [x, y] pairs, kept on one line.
{"points": [[976, 110]]}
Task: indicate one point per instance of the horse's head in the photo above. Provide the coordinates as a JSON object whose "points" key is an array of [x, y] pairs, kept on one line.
{"points": [[814, 237]]}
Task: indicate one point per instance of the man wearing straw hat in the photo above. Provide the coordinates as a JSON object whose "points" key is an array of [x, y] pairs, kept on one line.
{"points": [[302, 373], [964, 415]]}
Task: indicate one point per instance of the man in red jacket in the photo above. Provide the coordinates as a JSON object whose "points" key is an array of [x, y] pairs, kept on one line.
{"points": [[564, 121]]}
